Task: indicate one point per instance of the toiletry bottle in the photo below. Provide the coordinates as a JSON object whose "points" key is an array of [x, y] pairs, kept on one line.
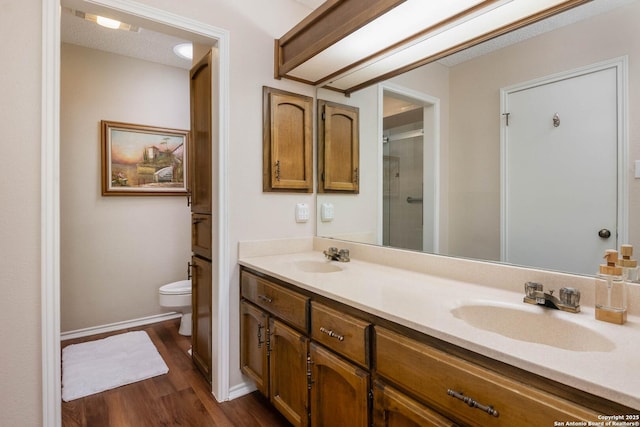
{"points": [[629, 266], [611, 291]]}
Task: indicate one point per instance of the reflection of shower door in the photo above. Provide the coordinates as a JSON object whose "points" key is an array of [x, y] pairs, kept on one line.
{"points": [[402, 190], [561, 172]]}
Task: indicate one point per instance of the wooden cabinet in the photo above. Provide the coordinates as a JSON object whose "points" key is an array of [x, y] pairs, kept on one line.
{"points": [[305, 381], [339, 390], [201, 196], [391, 408], [338, 148], [287, 141], [201, 137], [444, 381], [254, 361], [287, 305], [201, 235], [346, 335], [288, 380], [328, 364], [201, 316]]}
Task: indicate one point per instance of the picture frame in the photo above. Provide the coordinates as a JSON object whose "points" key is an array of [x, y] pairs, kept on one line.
{"points": [[139, 160]]}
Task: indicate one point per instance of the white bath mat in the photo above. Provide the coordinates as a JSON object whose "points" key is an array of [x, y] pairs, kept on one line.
{"points": [[96, 366]]}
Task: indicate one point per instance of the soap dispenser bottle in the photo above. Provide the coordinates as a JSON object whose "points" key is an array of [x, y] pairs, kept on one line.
{"points": [[611, 291], [629, 266]]}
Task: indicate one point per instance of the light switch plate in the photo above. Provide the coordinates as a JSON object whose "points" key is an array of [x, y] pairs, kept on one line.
{"points": [[302, 212], [326, 212], [637, 174]]}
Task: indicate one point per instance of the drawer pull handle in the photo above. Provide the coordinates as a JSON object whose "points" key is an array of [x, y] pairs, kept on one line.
{"points": [[469, 401], [331, 333], [265, 299]]}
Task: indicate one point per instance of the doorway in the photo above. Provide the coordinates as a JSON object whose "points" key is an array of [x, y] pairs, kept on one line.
{"points": [[50, 267], [562, 173], [410, 147]]}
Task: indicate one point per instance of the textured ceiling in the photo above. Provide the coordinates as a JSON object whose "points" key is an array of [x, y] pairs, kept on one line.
{"points": [[144, 44]]}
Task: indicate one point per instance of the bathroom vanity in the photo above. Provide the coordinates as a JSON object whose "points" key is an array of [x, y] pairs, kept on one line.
{"points": [[391, 346]]}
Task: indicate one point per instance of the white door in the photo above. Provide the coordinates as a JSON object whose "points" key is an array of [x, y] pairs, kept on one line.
{"points": [[560, 172]]}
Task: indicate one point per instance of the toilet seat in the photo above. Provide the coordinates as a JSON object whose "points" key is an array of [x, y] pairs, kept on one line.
{"points": [[181, 287]]}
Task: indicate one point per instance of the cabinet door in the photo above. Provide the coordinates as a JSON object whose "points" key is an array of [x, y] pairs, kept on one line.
{"points": [[338, 148], [339, 391], [201, 136], [201, 235], [254, 325], [201, 317], [394, 409], [288, 372], [287, 141]]}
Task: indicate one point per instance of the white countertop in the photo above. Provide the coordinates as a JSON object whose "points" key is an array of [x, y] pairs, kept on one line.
{"points": [[424, 302]]}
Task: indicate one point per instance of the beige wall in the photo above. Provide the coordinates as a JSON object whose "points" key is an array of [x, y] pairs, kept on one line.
{"points": [[254, 215], [475, 117], [116, 251], [20, 372]]}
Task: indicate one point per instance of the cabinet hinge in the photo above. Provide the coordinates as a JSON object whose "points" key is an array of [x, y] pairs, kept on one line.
{"points": [[324, 116], [506, 115], [309, 363], [268, 341]]}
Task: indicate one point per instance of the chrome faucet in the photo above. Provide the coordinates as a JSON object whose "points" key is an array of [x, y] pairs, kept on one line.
{"points": [[333, 254], [569, 297]]}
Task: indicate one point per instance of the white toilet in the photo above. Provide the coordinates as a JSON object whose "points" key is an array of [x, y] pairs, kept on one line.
{"points": [[177, 296]]}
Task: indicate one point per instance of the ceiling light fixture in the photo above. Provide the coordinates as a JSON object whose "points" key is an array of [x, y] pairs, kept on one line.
{"points": [[108, 22], [344, 46], [184, 50], [104, 21]]}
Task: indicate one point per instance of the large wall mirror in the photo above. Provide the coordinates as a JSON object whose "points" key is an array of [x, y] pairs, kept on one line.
{"points": [[520, 150]]}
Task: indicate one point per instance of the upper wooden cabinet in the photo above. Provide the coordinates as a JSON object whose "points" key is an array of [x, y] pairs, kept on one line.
{"points": [[287, 141], [338, 148], [201, 137]]}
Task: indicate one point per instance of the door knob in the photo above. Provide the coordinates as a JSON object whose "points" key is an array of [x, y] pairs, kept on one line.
{"points": [[604, 233]]}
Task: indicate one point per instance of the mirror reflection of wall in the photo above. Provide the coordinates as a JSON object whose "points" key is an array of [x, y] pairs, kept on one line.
{"points": [[467, 180]]}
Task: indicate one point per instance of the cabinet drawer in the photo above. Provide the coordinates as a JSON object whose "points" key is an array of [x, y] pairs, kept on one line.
{"points": [[287, 305], [430, 374], [344, 334], [201, 235]]}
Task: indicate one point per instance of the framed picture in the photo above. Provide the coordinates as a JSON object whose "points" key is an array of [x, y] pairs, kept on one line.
{"points": [[143, 160]]}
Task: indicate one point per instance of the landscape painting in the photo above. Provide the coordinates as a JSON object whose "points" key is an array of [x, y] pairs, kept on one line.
{"points": [[142, 160]]}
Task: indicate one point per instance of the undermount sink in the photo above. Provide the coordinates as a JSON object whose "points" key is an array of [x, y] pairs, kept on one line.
{"points": [[543, 327], [317, 266]]}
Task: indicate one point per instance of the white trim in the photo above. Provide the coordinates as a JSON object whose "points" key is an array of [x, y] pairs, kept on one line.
{"points": [[50, 197], [425, 100], [50, 215], [241, 390], [621, 64], [118, 326]]}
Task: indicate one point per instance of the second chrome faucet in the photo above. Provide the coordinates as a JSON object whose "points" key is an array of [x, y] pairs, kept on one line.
{"points": [[569, 297], [333, 254]]}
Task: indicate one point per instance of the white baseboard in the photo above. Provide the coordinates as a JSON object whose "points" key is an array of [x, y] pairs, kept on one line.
{"points": [[241, 390], [94, 330]]}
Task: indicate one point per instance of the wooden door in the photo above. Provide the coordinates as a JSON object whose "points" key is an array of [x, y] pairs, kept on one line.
{"points": [[201, 137], [339, 391], [254, 333], [338, 148], [392, 408], [288, 372], [201, 317]]}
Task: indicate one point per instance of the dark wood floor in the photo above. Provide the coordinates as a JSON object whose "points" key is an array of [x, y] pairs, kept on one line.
{"points": [[180, 398]]}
